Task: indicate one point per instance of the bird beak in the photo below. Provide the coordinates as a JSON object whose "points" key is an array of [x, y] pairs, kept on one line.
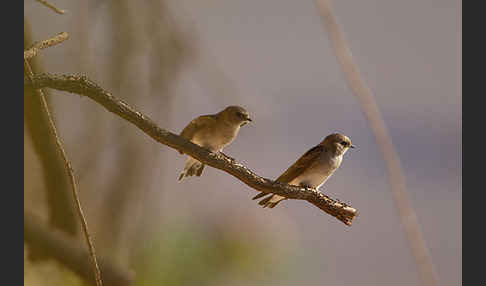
{"points": [[352, 146], [248, 119]]}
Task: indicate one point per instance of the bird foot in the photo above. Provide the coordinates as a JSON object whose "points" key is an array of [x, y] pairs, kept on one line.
{"points": [[228, 157]]}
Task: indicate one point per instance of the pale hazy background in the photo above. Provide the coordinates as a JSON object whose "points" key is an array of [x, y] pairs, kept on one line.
{"points": [[274, 58]]}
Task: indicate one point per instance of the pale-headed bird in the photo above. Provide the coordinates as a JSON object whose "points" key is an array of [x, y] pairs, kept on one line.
{"points": [[213, 132], [313, 168]]}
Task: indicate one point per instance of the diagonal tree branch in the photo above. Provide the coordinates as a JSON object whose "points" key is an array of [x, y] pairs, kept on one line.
{"points": [[55, 183], [70, 172], [67, 250], [32, 51], [52, 7], [83, 86]]}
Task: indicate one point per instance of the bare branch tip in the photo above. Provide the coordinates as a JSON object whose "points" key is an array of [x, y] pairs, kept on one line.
{"points": [[52, 7], [32, 51]]}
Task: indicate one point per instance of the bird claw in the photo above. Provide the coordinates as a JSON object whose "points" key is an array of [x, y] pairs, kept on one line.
{"points": [[228, 157]]}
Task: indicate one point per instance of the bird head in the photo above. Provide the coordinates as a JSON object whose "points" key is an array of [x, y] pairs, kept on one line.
{"points": [[236, 115], [337, 143]]}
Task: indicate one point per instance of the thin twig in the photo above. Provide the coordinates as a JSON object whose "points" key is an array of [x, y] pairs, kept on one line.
{"points": [[48, 5], [61, 213], [59, 38], [83, 86], [396, 178], [67, 250], [70, 172]]}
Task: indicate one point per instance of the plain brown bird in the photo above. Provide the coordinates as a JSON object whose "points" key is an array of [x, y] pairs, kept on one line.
{"points": [[213, 132], [313, 168]]}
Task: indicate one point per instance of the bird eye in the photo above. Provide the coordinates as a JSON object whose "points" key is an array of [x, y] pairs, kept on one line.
{"points": [[344, 143], [240, 114]]}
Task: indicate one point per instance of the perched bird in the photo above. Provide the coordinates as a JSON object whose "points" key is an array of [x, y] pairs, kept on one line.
{"points": [[313, 168], [213, 132]]}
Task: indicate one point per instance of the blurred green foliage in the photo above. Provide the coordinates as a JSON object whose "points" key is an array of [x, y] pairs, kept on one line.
{"points": [[201, 255], [186, 253]]}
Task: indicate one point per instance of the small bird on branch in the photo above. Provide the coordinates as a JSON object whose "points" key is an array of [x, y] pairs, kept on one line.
{"points": [[313, 168], [213, 132]]}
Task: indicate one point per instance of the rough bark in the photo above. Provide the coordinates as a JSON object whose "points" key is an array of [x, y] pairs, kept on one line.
{"points": [[83, 86]]}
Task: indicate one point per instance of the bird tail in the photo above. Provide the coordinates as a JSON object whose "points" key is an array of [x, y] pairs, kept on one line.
{"points": [[192, 167], [270, 201]]}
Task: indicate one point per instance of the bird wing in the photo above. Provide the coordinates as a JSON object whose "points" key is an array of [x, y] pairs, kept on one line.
{"points": [[301, 165], [197, 124], [295, 170]]}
